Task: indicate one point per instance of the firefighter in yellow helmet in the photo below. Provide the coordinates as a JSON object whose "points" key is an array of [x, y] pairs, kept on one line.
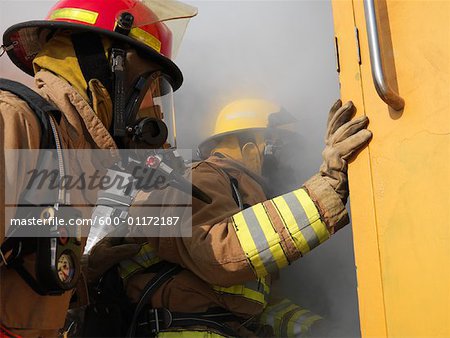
{"points": [[99, 68], [216, 282], [272, 132]]}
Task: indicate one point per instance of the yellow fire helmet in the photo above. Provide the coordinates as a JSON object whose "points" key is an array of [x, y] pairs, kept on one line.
{"points": [[246, 115]]}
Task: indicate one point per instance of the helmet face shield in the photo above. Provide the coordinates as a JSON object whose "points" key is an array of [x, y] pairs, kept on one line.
{"points": [[163, 98], [151, 116], [160, 24]]}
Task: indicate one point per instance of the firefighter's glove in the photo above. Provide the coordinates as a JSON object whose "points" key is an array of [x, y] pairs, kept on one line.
{"points": [[107, 253], [343, 140]]}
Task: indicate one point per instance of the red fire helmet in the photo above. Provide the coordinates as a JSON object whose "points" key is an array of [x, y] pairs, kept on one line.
{"points": [[150, 35]]}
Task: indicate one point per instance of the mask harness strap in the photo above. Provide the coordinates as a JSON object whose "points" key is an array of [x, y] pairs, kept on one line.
{"points": [[118, 69], [94, 64], [118, 56]]}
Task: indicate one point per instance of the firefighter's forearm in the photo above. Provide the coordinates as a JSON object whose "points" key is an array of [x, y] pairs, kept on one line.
{"points": [[279, 231]]}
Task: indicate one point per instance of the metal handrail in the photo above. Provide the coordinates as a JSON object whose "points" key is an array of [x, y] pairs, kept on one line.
{"points": [[386, 93]]}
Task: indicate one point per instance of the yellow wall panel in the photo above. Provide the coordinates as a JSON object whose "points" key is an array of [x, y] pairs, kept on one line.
{"points": [[371, 309], [409, 171]]}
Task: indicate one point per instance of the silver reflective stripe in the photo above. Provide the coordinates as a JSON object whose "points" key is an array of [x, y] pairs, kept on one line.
{"points": [[145, 257], [302, 220], [297, 328], [271, 311], [299, 322], [258, 286], [260, 240], [285, 322], [254, 285], [311, 237]]}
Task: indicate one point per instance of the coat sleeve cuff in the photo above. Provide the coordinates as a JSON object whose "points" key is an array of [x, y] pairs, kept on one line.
{"points": [[330, 206]]}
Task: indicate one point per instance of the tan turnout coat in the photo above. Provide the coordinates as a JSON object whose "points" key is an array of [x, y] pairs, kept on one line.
{"points": [[213, 256], [21, 309]]}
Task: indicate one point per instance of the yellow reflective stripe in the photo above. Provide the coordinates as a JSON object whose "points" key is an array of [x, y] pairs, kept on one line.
{"points": [[313, 215], [288, 319], [256, 290], [188, 334], [259, 240], [294, 327], [76, 14], [266, 286], [306, 325], [248, 245], [145, 38], [145, 258], [279, 319], [268, 315], [291, 224], [272, 237], [241, 291], [302, 220], [235, 289]]}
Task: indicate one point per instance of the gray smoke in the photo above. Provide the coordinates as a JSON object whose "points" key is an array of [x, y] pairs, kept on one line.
{"points": [[277, 50]]}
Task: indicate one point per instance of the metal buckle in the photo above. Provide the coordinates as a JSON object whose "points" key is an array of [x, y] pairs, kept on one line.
{"points": [[165, 316], [10, 259], [14, 254], [4, 49], [4, 261]]}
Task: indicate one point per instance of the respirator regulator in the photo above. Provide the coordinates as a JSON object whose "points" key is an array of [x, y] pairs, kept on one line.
{"points": [[281, 144]]}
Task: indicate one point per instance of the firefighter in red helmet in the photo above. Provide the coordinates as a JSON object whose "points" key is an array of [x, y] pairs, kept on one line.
{"points": [[102, 65]]}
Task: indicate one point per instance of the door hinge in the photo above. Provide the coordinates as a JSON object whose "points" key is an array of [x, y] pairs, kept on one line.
{"points": [[358, 49], [336, 50]]}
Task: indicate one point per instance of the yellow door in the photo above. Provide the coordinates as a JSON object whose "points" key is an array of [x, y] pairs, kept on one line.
{"points": [[400, 185]]}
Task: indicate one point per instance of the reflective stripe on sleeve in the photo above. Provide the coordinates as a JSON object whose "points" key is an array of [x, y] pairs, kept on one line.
{"points": [[293, 327], [145, 258], [316, 222], [302, 220], [259, 240], [288, 319], [186, 333], [257, 290]]}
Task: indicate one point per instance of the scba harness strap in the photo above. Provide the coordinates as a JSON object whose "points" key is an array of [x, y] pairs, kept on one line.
{"points": [[39, 106], [48, 249], [153, 321]]}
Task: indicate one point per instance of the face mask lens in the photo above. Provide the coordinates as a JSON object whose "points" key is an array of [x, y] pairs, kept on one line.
{"points": [[163, 98], [280, 157], [154, 123]]}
